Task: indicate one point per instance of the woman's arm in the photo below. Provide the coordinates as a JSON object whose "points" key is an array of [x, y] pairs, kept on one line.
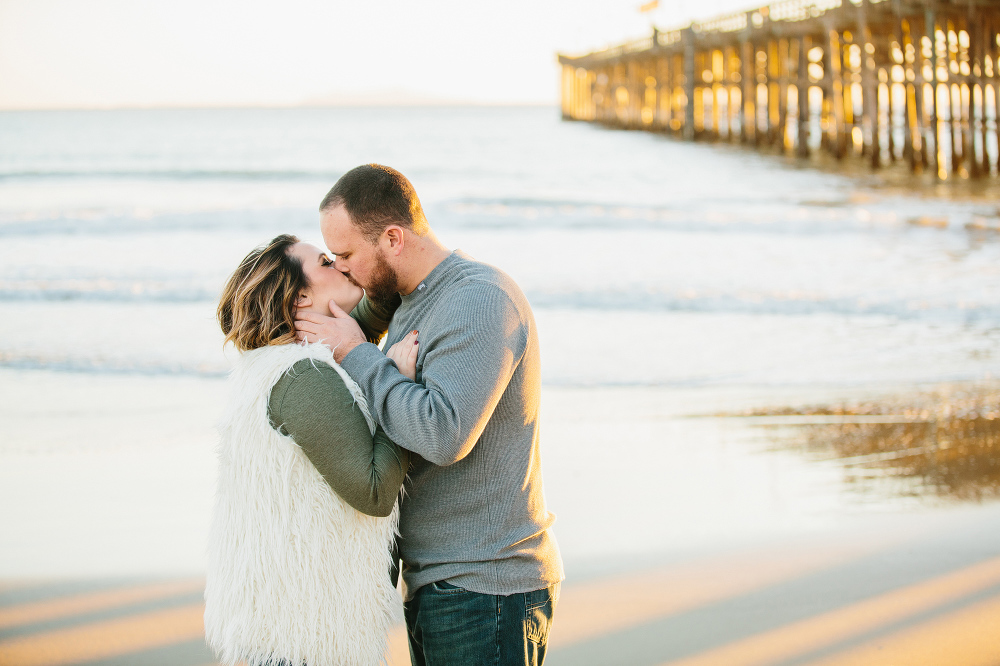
{"points": [[314, 407]]}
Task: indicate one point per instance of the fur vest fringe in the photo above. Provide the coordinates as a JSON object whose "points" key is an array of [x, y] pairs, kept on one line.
{"points": [[294, 572]]}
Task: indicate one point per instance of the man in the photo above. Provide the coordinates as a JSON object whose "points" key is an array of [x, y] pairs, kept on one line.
{"points": [[480, 565]]}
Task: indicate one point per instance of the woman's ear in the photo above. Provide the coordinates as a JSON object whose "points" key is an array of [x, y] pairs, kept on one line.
{"points": [[303, 300]]}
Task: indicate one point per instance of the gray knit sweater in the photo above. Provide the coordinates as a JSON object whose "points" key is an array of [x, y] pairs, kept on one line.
{"points": [[474, 513]]}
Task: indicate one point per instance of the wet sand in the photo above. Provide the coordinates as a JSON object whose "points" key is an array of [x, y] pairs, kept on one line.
{"points": [[942, 443], [114, 475]]}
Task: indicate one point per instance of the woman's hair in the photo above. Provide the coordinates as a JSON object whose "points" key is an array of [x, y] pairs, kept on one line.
{"points": [[257, 307]]}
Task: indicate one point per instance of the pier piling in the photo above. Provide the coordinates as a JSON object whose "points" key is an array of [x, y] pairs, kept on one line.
{"points": [[887, 80]]}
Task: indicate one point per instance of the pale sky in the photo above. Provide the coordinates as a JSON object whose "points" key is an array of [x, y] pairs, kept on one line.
{"points": [[113, 53]]}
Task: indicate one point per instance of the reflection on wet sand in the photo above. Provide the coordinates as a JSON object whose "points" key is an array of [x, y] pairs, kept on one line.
{"points": [[944, 443]]}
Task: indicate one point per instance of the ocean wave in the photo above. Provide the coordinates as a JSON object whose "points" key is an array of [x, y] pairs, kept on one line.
{"points": [[642, 300], [172, 174], [105, 291], [751, 215], [103, 223], [17, 361], [771, 217], [510, 214], [987, 314], [493, 217]]}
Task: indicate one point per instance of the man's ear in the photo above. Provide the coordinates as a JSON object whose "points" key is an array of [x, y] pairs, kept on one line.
{"points": [[393, 238], [303, 301]]}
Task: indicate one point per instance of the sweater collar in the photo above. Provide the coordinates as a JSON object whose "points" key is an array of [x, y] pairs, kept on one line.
{"points": [[436, 276]]}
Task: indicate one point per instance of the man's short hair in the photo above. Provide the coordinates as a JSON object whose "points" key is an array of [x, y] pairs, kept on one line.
{"points": [[374, 197]]}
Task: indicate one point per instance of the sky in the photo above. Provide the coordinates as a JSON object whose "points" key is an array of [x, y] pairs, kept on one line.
{"points": [[153, 53]]}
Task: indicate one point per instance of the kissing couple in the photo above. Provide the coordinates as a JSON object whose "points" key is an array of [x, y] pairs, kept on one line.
{"points": [[338, 461]]}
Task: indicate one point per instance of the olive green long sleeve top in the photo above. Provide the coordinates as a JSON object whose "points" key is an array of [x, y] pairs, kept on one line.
{"points": [[312, 405]]}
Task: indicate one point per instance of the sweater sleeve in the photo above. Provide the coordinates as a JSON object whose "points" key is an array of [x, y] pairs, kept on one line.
{"points": [[312, 405], [374, 317], [465, 366]]}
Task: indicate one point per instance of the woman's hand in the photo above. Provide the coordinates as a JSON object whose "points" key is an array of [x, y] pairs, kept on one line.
{"points": [[404, 355]]}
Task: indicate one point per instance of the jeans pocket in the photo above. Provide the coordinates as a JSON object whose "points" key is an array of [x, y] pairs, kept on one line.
{"points": [[444, 587], [538, 615]]}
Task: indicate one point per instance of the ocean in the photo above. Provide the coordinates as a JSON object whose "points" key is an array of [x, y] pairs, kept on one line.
{"points": [[670, 281]]}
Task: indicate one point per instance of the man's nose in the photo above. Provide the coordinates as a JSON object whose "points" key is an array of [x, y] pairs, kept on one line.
{"points": [[340, 265]]}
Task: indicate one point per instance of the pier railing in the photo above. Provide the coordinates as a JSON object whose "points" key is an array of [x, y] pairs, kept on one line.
{"points": [[914, 80]]}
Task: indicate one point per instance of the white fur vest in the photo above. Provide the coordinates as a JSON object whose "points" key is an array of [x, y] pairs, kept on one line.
{"points": [[294, 572]]}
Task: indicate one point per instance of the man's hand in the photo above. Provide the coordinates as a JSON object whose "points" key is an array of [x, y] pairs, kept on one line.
{"points": [[339, 332]]}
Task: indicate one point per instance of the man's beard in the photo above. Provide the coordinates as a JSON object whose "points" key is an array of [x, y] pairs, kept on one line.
{"points": [[384, 281]]}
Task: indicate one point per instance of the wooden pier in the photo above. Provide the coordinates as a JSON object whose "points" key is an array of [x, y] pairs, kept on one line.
{"points": [[889, 80]]}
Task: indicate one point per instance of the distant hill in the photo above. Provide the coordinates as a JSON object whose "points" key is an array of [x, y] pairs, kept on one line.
{"points": [[401, 97]]}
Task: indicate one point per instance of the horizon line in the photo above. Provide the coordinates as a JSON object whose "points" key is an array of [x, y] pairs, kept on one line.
{"points": [[328, 105]]}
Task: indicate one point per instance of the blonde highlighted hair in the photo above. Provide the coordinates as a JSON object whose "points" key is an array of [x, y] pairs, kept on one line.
{"points": [[257, 307]]}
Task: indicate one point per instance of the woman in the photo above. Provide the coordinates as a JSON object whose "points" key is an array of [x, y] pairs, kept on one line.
{"points": [[305, 515]]}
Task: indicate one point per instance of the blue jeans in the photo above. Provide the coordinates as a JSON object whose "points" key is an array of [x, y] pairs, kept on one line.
{"points": [[449, 625]]}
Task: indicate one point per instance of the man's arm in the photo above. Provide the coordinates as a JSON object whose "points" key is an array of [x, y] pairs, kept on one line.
{"points": [[373, 317], [314, 406], [466, 366]]}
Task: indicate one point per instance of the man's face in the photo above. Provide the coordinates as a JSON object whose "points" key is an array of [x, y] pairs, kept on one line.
{"points": [[361, 261]]}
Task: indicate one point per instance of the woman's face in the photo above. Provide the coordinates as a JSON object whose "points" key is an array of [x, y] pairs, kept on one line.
{"points": [[326, 283]]}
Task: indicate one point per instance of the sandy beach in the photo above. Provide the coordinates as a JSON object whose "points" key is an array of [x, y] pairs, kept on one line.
{"points": [[907, 589]]}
